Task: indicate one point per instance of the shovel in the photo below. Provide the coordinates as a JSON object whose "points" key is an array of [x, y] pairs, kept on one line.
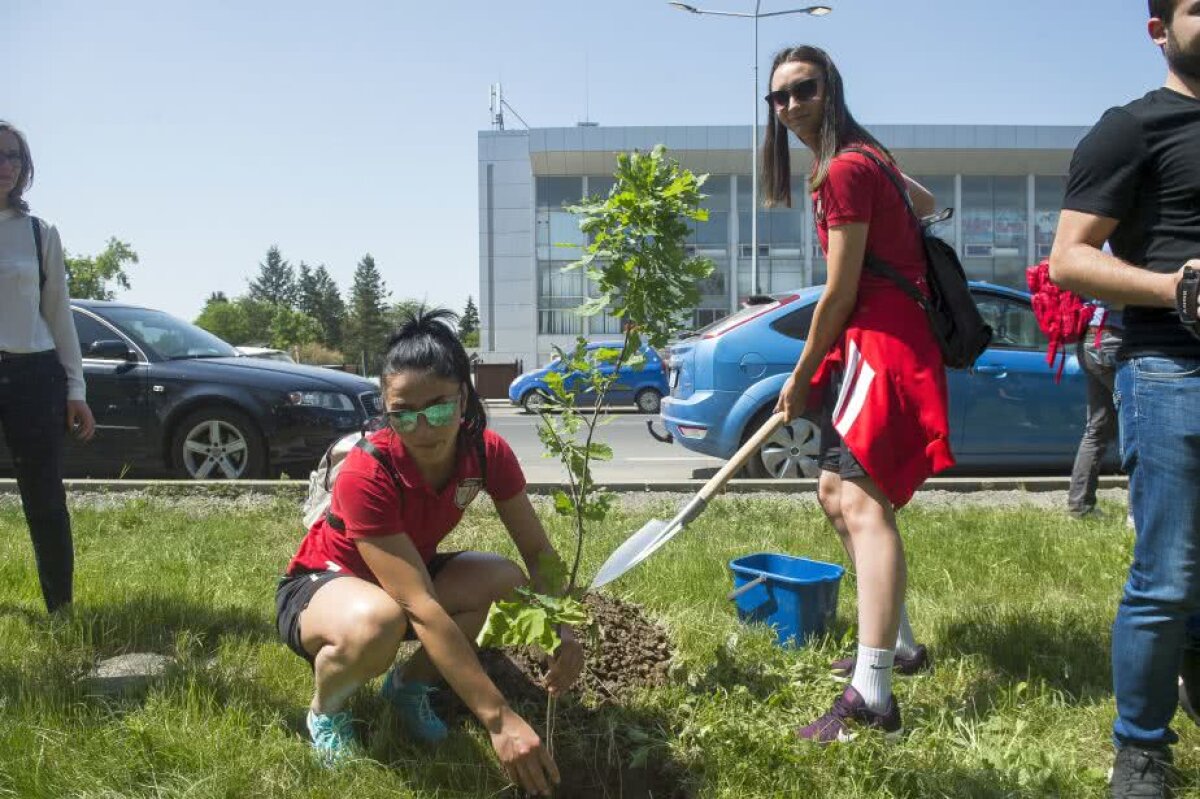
{"points": [[646, 541]]}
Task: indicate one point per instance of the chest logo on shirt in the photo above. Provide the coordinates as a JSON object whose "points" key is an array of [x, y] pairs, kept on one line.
{"points": [[466, 492]]}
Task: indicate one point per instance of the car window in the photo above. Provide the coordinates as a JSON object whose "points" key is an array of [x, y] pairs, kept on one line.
{"points": [[89, 331], [1013, 324], [167, 336], [795, 324]]}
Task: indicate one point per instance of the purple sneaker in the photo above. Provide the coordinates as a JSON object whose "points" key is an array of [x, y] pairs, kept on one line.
{"points": [[849, 712], [905, 666]]}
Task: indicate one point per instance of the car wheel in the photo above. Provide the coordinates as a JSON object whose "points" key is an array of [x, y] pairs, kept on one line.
{"points": [[790, 452], [533, 401], [648, 400], [218, 444]]}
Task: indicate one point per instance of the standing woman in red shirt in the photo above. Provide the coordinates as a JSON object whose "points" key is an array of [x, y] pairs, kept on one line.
{"points": [[368, 574], [870, 366]]}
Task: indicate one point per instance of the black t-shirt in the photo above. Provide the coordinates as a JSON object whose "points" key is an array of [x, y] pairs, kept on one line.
{"points": [[1140, 165]]}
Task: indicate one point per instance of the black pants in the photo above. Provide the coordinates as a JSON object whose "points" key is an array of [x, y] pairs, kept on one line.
{"points": [[33, 412]]}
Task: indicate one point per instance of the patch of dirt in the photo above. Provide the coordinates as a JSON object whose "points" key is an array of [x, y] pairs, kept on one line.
{"points": [[595, 745]]}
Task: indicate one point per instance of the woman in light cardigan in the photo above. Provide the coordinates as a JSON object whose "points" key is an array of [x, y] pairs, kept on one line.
{"points": [[41, 371]]}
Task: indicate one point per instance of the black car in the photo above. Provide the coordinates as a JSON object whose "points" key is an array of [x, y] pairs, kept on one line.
{"points": [[169, 397]]}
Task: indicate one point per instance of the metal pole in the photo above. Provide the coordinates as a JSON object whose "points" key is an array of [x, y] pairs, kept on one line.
{"points": [[754, 168]]}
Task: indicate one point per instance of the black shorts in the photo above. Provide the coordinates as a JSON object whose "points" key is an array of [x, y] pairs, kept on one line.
{"points": [[295, 591], [833, 455]]}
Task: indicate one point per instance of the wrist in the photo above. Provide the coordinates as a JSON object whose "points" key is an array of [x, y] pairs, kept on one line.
{"points": [[493, 716]]}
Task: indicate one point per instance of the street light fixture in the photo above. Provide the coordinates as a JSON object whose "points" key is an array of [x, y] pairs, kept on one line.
{"points": [[812, 11]]}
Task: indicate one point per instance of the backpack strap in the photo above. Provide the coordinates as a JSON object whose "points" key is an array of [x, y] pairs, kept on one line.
{"points": [[37, 245], [383, 460], [891, 175], [874, 264]]}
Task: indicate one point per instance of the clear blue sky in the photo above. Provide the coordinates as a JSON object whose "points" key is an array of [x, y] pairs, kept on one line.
{"points": [[204, 132]]}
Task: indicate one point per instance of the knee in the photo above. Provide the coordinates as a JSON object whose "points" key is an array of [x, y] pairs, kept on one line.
{"points": [[829, 495], [372, 635], [504, 579]]}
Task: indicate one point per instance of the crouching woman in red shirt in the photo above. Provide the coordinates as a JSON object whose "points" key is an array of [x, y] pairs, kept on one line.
{"points": [[369, 575], [870, 367]]}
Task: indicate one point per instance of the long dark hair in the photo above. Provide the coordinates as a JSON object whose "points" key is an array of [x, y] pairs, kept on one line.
{"points": [[15, 199], [839, 130], [426, 342]]}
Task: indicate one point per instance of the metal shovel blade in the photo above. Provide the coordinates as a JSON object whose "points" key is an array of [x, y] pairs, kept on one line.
{"points": [[634, 550]]}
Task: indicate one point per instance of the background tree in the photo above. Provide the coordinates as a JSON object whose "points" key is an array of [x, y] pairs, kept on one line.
{"points": [[88, 277], [258, 316], [320, 299], [276, 282], [367, 326], [292, 328], [468, 324], [216, 296], [224, 319], [401, 310]]}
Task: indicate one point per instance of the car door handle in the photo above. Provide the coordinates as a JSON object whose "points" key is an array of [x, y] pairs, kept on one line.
{"points": [[995, 370]]}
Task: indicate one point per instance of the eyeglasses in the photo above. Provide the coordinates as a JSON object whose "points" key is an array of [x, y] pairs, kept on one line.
{"points": [[12, 155], [801, 91], [438, 415]]}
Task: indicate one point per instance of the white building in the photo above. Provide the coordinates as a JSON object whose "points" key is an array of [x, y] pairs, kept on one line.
{"points": [[1006, 183]]}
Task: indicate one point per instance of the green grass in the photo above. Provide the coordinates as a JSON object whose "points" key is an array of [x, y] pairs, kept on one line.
{"points": [[1016, 604]]}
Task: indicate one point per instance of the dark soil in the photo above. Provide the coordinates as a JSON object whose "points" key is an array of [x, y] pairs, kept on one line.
{"points": [[592, 747]]}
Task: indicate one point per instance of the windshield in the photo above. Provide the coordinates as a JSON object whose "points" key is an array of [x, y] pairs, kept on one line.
{"points": [[167, 337]]}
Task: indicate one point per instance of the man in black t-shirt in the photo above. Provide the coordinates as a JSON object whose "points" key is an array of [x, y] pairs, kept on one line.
{"points": [[1135, 182]]}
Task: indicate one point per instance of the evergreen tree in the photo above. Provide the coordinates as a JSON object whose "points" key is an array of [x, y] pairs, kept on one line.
{"points": [[320, 299], [368, 323], [468, 324], [276, 282], [216, 297]]}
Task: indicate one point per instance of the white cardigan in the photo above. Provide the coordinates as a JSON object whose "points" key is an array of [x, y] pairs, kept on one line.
{"points": [[26, 325]]}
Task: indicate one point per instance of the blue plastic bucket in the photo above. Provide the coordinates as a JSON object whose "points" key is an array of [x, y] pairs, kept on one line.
{"points": [[795, 596]]}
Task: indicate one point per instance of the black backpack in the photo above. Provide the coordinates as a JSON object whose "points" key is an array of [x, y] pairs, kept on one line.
{"points": [[957, 325]]}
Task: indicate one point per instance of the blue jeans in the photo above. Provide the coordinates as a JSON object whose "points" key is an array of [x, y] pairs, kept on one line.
{"points": [[1158, 403]]}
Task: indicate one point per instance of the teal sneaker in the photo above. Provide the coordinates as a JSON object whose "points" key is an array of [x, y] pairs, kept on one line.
{"points": [[411, 700], [332, 736]]}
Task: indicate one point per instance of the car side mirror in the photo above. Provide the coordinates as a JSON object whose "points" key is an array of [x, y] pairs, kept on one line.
{"points": [[110, 349]]}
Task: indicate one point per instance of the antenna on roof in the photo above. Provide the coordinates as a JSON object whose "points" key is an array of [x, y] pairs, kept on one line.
{"points": [[498, 104]]}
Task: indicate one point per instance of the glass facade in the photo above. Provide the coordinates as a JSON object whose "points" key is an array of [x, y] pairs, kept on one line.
{"points": [[1048, 195], [1003, 224], [995, 219], [780, 244], [559, 293]]}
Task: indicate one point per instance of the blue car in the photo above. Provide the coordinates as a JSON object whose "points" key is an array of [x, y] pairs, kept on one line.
{"points": [[643, 388], [1006, 414]]}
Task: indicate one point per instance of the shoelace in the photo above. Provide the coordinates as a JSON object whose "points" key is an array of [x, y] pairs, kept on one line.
{"points": [[330, 730]]}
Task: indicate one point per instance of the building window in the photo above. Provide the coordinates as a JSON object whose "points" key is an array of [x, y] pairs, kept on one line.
{"points": [[780, 244], [995, 229], [1048, 192], [554, 225], [559, 294]]}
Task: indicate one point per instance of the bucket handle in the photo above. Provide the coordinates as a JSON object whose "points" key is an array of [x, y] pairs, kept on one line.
{"points": [[737, 592]]}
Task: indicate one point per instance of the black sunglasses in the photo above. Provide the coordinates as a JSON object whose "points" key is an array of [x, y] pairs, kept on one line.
{"points": [[801, 91]]}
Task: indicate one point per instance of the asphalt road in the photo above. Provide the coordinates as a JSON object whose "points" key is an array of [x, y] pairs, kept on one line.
{"points": [[636, 456]]}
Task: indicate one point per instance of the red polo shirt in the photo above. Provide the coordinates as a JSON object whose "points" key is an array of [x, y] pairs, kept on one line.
{"points": [[371, 504]]}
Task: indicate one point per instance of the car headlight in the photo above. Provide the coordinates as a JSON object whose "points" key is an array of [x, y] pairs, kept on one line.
{"points": [[329, 400]]}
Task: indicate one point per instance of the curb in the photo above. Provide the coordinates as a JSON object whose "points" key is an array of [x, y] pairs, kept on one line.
{"points": [[297, 488]]}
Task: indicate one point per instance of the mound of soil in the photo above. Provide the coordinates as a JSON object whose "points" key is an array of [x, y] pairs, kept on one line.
{"points": [[594, 757]]}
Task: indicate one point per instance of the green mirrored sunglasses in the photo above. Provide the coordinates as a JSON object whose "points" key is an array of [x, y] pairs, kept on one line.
{"points": [[438, 415]]}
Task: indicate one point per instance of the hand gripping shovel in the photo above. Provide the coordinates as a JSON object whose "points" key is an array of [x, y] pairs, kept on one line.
{"points": [[646, 541]]}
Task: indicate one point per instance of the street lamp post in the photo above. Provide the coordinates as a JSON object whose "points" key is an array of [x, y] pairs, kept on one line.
{"points": [[814, 11]]}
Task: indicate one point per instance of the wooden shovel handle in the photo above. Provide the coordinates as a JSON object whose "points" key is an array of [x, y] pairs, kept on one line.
{"points": [[741, 456]]}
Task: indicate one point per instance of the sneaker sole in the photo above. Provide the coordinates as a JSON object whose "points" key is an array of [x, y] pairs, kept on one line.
{"points": [[892, 737]]}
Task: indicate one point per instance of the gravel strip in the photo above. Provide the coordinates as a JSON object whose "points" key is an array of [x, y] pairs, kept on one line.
{"points": [[200, 505]]}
